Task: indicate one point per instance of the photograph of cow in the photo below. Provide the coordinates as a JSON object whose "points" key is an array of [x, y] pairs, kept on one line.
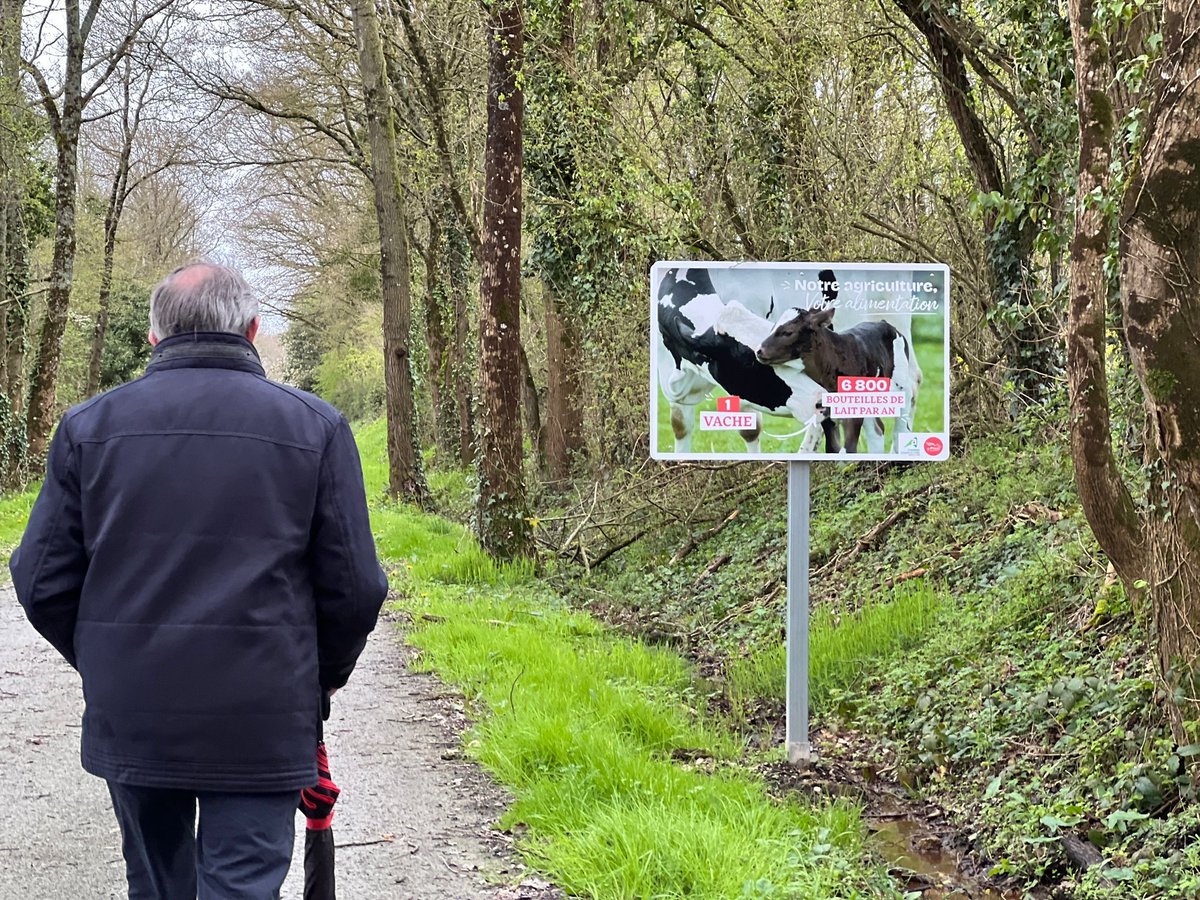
{"points": [[871, 349], [777, 336], [706, 352]]}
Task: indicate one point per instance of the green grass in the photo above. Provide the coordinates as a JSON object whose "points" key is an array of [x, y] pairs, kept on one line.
{"points": [[428, 547], [451, 488], [372, 449], [14, 513], [841, 648], [586, 729], [623, 787], [433, 549]]}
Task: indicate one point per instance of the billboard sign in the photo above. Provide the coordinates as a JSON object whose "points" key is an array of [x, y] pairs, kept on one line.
{"points": [[799, 361]]}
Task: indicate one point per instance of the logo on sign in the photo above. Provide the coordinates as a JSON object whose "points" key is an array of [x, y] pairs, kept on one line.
{"points": [[729, 404], [921, 444]]}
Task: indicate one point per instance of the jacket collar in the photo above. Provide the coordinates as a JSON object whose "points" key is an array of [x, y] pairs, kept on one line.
{"points": [[205, 350]]}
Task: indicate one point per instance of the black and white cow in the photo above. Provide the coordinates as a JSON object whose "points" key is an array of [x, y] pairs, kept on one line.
{"points": [[869, 349], [706, 343]]}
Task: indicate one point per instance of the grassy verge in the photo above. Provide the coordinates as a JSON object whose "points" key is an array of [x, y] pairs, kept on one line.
{"points": [[623, 788], [451, 489], [1038, 717]]}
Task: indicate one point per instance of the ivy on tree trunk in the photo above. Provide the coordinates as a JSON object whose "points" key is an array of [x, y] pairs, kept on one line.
{"points": [[1155, 550], [501, 519], [1160, 267], [1028, 334]]}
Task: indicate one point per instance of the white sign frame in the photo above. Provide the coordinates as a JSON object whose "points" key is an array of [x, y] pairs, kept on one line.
{"points": [[863, 304]]}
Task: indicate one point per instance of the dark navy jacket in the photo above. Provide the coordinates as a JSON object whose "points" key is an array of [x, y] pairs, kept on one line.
{"points": [[200, 552]]}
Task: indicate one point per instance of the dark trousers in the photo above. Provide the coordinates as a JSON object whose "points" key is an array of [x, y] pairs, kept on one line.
{"points": [[241, 849]]}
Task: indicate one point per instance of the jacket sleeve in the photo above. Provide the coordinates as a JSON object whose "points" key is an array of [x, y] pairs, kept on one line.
{"points": [[350, 587], [49, 567]]}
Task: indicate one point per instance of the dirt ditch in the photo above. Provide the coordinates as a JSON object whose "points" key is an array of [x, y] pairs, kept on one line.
{"points": [[925, 853]]}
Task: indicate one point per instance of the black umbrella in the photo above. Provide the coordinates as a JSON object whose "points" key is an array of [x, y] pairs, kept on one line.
{"points": [[316, 803]]}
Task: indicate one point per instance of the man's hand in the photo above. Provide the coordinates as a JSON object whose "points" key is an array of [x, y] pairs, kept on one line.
{"points": [[317, 802]]}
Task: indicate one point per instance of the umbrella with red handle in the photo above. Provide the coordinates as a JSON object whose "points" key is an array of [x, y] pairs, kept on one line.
{"points": [[316, 803]]}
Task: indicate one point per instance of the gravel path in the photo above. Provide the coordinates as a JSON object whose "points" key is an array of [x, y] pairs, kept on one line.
{"points": [[420, 816]]}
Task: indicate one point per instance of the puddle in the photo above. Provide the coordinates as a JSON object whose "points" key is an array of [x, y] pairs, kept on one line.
{"points": [[917, 854], [910, 842]]}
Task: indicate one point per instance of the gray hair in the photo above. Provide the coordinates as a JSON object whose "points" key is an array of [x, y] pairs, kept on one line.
{"points": [[202, 296]]}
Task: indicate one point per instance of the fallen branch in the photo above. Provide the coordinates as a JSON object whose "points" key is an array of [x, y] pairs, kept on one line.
{"points": [[711, 568], [907, 576], [866, 542], [608, 515], [620, 545], [383, 840], [587, 518], [696, 540]]}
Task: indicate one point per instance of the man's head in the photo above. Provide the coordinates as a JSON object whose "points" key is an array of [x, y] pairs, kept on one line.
{"points": [[203, 296]]}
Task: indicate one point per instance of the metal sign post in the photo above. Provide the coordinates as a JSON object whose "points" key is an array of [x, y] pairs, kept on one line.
{"points": [[799, 749]]}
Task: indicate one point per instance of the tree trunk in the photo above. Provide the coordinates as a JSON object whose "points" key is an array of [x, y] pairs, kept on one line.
{"points": [[12, 188], [1106, 500], [457, 280], [532, 406], [436, 109], [564, 442], [440, 361], [406, 478], [14, 469], [66, 123], [1028, 334], [17, 313], [112, 220], [458, 384], [14, 248], [501, 521], [1160, 266], [131, 117], [6, 298]]}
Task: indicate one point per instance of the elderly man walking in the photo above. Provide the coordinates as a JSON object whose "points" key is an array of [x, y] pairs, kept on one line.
{"points": [[200, 552]]}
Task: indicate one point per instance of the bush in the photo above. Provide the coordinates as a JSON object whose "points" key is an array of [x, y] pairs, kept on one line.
{"points": [[351, 378], [126, 349]]}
